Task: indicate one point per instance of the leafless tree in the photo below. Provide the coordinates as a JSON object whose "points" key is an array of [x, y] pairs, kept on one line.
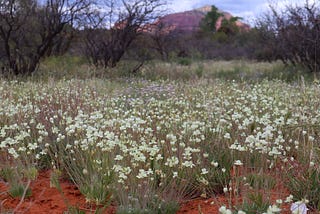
{"points": [[31, 30], [162, 36], [106, 44], [293, 34]]}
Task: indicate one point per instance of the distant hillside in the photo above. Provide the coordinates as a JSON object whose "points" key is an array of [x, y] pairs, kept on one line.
{"points": [[184, 21], [189, 21]]}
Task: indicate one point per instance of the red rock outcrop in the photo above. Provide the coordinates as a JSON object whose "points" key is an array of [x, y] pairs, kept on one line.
{"points": [[189, 21]]}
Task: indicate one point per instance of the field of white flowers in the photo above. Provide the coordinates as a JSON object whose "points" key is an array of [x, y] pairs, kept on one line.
{"points": [[148, 145]]}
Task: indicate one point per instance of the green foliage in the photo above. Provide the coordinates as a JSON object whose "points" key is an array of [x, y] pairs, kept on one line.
{"points": [[306, 185], [208, 24], [184, 61], [74, 210], [31, 173], [19, 191], [220, 37], [256, 72], [154, 207], [68, 67], [218, 176], [86, 191], [7, 174], [261, 181], [93, 183], [54, 179], [199, 70], [96, 192], [16, 177], [229, 26], [255, 204], [64, 67]]}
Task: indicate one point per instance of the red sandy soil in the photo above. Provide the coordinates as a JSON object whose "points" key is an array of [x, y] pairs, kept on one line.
{"points": [[46, 199]]}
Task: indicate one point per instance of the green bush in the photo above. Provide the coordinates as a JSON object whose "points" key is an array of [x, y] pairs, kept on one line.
{"points": [[184, 61]]}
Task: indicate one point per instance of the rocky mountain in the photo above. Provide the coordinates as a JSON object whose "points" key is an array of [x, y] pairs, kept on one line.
{"points": [[189, 21]]}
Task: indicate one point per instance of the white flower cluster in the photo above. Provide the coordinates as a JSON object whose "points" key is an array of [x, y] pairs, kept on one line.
{"points": [[153, 131]]}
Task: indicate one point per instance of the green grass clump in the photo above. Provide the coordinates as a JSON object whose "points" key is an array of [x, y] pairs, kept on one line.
{"points": [[19, 191], [155, 207], [306, 185], [261, 181], [255, 203]]}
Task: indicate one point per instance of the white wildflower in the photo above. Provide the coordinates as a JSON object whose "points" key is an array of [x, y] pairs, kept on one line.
{"points": [[289, 199], [238, 163], [224, 210], [204, 171], [85, 171], [273, 209]]}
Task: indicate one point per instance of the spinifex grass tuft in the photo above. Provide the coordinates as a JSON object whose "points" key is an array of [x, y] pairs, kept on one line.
{"points": [[306, 185], [255, 203], [19, 191]]}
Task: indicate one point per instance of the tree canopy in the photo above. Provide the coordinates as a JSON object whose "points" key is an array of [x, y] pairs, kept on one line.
{"points": [[208, 24]]}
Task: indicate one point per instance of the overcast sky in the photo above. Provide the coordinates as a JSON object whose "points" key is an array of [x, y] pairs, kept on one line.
{"points": [[247, 9]]}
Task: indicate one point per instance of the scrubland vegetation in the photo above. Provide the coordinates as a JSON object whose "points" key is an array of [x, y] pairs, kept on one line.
{"points": [[146, 144]]}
